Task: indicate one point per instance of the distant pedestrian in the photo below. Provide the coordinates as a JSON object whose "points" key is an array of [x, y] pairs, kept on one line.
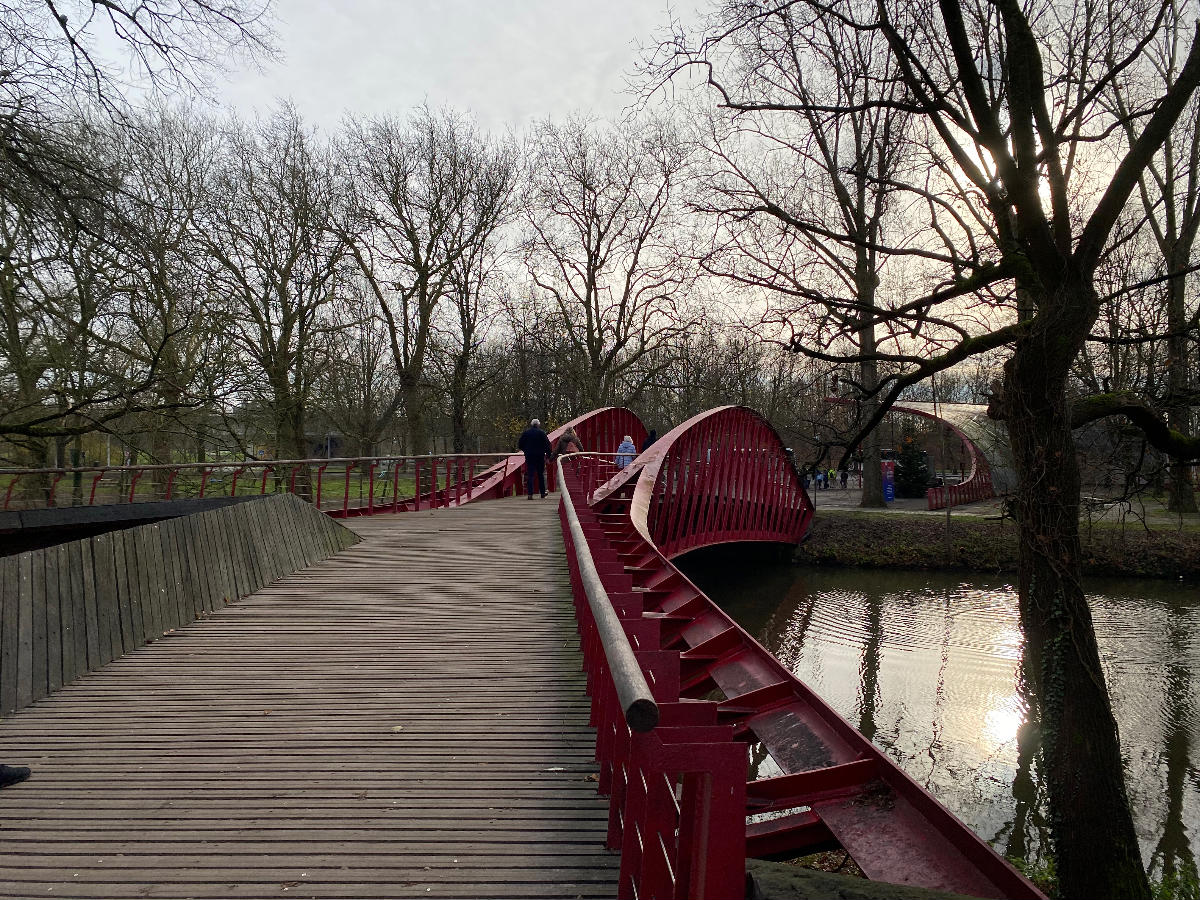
{"points": [[805, 479], [649, 441], [626, 452], [13, 775], [568, 442], [536, 446], [845, 476], [820, 479]]}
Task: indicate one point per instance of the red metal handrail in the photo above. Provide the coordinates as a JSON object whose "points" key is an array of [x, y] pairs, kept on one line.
{"points": [[676, 787], [706, 486], [40, 485]]}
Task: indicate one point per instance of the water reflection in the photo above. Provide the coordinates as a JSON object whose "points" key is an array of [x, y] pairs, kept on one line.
{"points": [[929, 667]]}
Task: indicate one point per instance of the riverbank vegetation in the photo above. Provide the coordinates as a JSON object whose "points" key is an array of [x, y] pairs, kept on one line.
{"points": [[843, 537]]}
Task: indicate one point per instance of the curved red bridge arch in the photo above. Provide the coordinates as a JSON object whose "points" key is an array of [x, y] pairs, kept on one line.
{"points": [[722, 476]]}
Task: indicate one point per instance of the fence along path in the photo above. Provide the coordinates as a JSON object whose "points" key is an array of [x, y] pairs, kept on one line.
{"points": [[405, 719]]}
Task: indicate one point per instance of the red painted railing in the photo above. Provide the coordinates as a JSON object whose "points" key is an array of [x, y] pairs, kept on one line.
{"points": [[340, 487], [677, 791], [721, 476], [599, 431], [703, 486]]}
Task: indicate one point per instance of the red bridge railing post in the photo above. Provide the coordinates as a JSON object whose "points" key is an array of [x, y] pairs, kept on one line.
{"points": [[95, 481]]}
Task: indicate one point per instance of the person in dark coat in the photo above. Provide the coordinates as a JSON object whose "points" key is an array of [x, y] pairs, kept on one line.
{"points": [[536, 446], [650, 439]]}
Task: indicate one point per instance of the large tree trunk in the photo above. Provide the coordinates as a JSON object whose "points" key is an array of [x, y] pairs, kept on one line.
{"points": [[867, 280], [414, 413], [1181, 497], [1096, 847], [458, 404], [872, 476]]}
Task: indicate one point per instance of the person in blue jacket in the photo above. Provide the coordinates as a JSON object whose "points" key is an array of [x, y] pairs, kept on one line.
{"points": [[534, 443], [626, 452]]}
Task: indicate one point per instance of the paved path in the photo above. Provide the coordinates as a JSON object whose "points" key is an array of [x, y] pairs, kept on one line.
{"points": [[405, 719]]}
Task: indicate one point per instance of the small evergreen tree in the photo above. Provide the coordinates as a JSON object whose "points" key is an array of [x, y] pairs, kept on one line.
{"points": [[912, 472]]}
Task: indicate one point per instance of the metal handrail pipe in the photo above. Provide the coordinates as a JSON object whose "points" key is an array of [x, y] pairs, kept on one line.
{"points": [[220, 464], [641, 712], [225, 464]]}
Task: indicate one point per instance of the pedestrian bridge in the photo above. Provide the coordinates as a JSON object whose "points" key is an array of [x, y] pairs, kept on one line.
{"points": [[502, 698]]}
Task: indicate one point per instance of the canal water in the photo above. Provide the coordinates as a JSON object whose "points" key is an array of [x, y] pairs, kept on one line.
{"points": [[928, 665]]}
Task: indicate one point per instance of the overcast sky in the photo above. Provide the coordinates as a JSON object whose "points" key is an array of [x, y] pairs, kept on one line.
{"points": [[508, 61]]}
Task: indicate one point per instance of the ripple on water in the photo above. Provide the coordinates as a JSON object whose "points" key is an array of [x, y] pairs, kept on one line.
{"points": [[929, 667]]}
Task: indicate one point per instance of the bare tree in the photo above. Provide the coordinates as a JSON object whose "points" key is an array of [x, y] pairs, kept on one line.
{"points": [[1170, 192], [426, 192], [476, 285], [358, 390], [277, 261], [53, 170], [810, 130], [602, 217], [62, 306], [164, 273], [1004, 101]]}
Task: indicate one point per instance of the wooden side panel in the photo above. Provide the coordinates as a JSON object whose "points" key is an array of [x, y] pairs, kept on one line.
{"points": [[37, 608], [100, 633], [48, 566], [9, 631], [24, 629], [72, 608]]}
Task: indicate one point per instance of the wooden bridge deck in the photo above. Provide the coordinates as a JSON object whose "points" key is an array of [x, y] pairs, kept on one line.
{"points": [[405, 719]]}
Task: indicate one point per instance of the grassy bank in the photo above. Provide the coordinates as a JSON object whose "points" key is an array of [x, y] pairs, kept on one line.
{"points": [[843, 537]]}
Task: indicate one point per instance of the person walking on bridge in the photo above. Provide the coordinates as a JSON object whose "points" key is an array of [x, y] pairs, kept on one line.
{"points": [[568, 442], [626, 452], [536, 446]]}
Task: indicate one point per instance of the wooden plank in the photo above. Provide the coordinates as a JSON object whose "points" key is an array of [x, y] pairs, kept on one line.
{"points": [[164, 582], [267, 516], [137, 564], [190, 551], [235, 545], [37, 587], [148, 581], [281, 513], [193, 550], [107, 641], [102, 631], [71, 587], [266, 531], [295, 507], [304, 534], [25, 629], [247, 545], [62, 566], [124, 605], [214, 572], [326, 724], [9, 631], [222, 560], [54, 618], [184, 605]]}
